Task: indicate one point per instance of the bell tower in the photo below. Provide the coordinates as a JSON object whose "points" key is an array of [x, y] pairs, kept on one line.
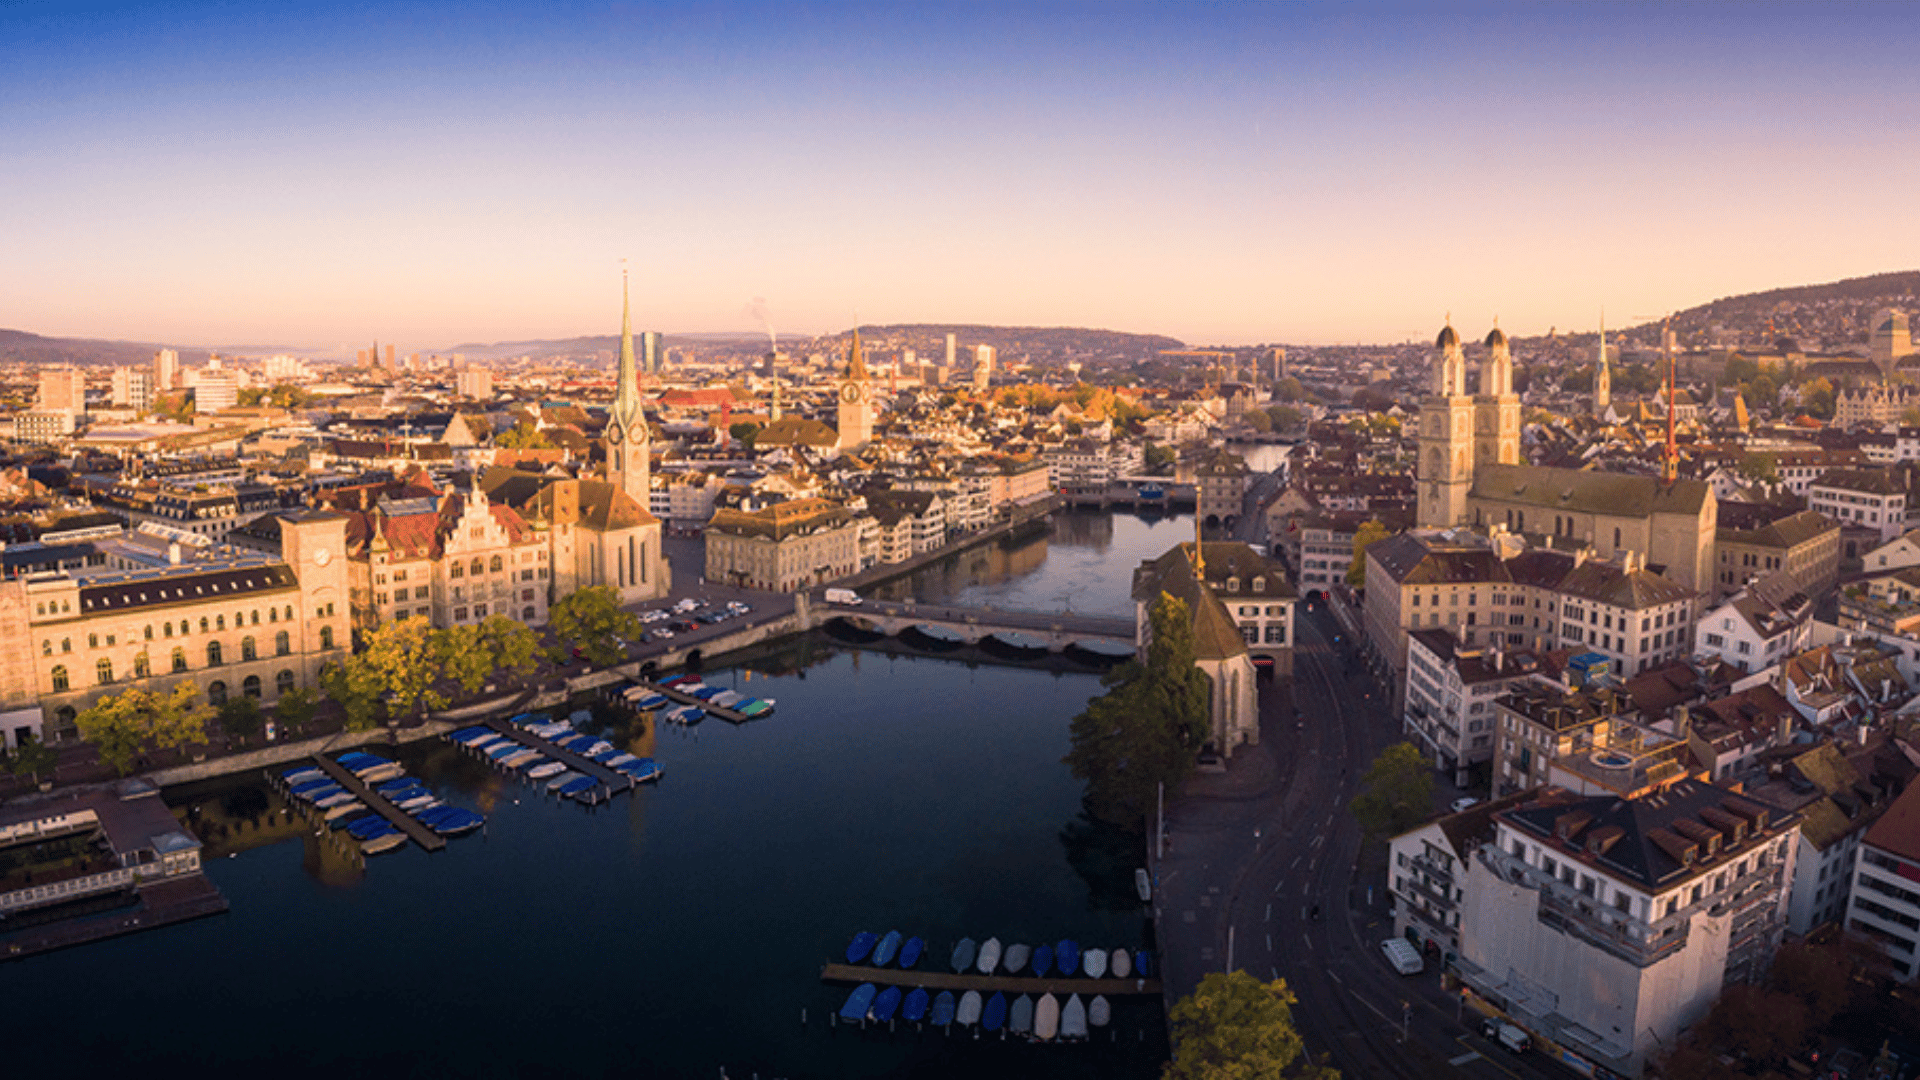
{"points": [[1444, 472], [856, 399], [627, 438], [1496, 410]]}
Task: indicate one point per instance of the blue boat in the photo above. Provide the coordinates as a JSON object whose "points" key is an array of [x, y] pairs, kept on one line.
{"points": [[943, 1008], [888, 948], [887, 1003], [528, 718], [1067, 955], [367, 827], [859, 1003], [642, 770], [995, 1013], [910, 952], [1152, 492], [1141, 967], [578, 785], [860, 947], [963, 954], [1042, 960], [915, 1007]]}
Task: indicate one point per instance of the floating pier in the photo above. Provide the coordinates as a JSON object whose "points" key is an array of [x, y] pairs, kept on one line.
{"points": [[379, 804], [720, 712], [986, 984], [612, 779]]}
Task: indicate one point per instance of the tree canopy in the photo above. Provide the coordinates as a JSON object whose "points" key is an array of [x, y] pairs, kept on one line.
{"points": [[31, 758], [1398, 792], [1149, 726], [1370, 532], [1234, 1027], [591, 620], [473, 653], [126, 725], [523, 436]]}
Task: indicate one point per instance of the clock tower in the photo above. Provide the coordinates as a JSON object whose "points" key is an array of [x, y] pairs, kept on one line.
{"points": [[856, 400], [627, 437]]}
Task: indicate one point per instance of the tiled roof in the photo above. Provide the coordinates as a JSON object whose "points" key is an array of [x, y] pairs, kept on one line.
{"points": [[1584, 491], [151, 592], [1647, 840], [1898, 830]]}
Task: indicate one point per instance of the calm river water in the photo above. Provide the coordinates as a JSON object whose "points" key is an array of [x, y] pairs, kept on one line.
{"points": [[678, 931]]}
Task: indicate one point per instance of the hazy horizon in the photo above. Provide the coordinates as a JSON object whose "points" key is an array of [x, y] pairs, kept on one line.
{"points": [[1226, 174]]}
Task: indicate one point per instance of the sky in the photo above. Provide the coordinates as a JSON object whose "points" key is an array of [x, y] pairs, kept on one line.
{"points": [[320, 175]]}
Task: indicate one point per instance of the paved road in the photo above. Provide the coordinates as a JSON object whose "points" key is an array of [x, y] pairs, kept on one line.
{"points": [[1257, 848]]}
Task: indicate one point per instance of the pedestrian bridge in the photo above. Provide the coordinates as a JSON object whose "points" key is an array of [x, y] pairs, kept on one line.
{"points": [[1056, 631]]}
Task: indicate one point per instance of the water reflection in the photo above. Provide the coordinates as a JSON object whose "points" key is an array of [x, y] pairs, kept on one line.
{"points": [[1082, 563]]}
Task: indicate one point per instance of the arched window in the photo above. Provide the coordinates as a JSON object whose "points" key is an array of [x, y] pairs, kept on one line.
{"points": [[282, 644], [289, 615], [282, 682], [59, 677], [526, 614], [149, 631], [179, 659], [46, 647], [477, 568], [220, 622], [204, 625], [247, 651], [66, 644], [104, 668], [216, 693], [64, 716], [250, 686], [326, 637], [495, 564], [456, 570], [140, 670], [256, 616], [213, 654], [184, 628], [273, 614]]}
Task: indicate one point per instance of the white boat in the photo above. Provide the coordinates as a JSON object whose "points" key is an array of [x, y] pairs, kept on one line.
{"points": [[561, 781], [1046, 1017], [1142, 885], [334, 813], [545, 769], [1020, 1017], [1073, 1019], [385, 843], [1099, 1014], [1121, 964], [970, 1005], [989, 956], [1014, 960], [1094, 963], [523, 758]]}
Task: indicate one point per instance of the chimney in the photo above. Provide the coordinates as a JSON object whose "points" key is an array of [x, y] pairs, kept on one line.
{"points": [[173, 552], [1785, 733], [1682, 722]]}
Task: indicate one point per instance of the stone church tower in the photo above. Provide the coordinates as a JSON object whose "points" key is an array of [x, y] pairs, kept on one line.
{"points": [[627, 438], [1445, 469], [1496, 411], [1602, 376], [856, 400]]}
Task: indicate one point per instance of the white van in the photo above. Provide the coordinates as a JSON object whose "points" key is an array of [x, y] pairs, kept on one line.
{"points": [[843, 596], [1506, 1035], [1403, 956]]}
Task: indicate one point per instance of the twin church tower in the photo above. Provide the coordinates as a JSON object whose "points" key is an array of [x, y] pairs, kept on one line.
{"points": [[1459, 433]]}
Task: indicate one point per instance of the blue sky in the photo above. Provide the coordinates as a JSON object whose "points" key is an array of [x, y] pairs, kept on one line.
{"points": [[318, 174]]}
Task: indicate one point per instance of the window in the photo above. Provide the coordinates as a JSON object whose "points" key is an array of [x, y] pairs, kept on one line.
{"points": [[140, 666], [185, 629], [527, 615], [251, 686], [46, 647], [205, 626], [495, 565], [326, 637], [476, 568], [282, 644], [247, 650], [149, 631], [273, 615], [282, 682], [66, 645], [104, 669], [93, 641], [289, 615], [456, 570], [179, 659], [213, 654], [216, 693], [256, 616], [220, 622], [59, 678]]}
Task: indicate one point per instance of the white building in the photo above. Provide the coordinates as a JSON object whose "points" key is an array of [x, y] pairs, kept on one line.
{"points": [[1885, 905], [1869, 497], [475, 383], [1607, 925], [1752, 631], [132, 387], [166, 369], [1449, 711]]}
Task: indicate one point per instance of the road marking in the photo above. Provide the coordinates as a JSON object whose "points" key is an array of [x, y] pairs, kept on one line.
{"points": [[1307, 941], [1471, 1055], [1296, 862], [1318, 840], [1275, 970], [1269, 942], [1462, 1040], [1370, 1005], [1335, 976], [1305, 887], [1269, 912]]}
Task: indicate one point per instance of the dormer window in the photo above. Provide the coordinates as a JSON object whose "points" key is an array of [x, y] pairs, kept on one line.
{"points": [[1259, 584], [1233, 584]]}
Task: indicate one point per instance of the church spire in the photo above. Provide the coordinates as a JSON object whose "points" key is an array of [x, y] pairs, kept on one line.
{"points": [[856, 359], [1602, 377], [626, 398]]}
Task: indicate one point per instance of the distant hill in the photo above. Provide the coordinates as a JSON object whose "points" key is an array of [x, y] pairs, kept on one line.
{"points": [[584, 347], [1039, 343], [18, 346], [1826, 317]]}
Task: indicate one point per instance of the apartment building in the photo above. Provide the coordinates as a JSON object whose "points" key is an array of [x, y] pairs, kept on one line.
{"points": [[1871, 498], [1451, 690], [1884, 907], [1804, 547]]}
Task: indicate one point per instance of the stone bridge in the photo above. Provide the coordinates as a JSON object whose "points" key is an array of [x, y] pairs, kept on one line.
{"points": [[973, 626]]}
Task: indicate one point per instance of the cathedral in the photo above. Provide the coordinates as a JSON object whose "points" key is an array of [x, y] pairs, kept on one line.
{"points": [[1469, 474]]}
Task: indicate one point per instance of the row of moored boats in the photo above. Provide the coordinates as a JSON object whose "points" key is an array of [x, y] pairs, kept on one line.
{"points": [[344, 811], [988, 958], [1042, 1019], [645, 698], [512, 755]]}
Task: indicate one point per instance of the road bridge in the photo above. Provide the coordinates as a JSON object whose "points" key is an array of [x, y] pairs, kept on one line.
{"points": [[973, 626]]}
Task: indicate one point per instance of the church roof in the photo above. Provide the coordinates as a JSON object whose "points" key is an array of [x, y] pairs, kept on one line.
{"points": [[796, 431], [856, 359], [605, 507], [1586, 491]]}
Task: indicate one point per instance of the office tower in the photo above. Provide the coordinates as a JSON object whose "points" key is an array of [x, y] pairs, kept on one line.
{"points": [[1279, 364], [166, 367], [215, 389], [650, 344], [63, 388], [982, 366], [476, 383], [132, 387], [360, 358], [391, 365], [953, 343]]}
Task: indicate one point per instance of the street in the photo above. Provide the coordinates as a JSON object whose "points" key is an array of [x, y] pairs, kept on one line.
{"points": [[1258, 850]]}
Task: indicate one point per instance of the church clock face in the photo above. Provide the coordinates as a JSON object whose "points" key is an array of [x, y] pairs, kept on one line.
{"points": [[850, 393]]}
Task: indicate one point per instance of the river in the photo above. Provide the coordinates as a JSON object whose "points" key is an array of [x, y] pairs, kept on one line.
{"points": [[677, 931]]}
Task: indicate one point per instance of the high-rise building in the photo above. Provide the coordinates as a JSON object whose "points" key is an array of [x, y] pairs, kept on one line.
{"points": [[360, 358], [953, 345], [215, 389], [284, 368], [1279, 364], [63, 388], [132, 387], [166, 367], [392, 364], [651, 353], [473, 382], [982, 366]]}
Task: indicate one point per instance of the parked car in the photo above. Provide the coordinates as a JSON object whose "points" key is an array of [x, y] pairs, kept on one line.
{"points": [[1464, 802]]}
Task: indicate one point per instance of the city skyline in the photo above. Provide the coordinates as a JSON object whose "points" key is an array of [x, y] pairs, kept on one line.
{"points": [[319, 175]]}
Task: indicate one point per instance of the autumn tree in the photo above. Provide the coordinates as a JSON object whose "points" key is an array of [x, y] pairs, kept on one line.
{"points": [[523, 436], [128, 724], [1149, 726], [1397, 792], [295, 708], [1235, 1027], [470, 654], [1760, 467], [241, 717], [31, 758], [399, 655], [591, 621], [1368, 534]]}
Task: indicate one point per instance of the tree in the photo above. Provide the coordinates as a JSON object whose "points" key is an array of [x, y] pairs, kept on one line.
{"points": [[32, 758], [1290, 390], [124, 726], [1148, 728], [591, 621], [1160, 459], [356, 688], [1760, 467], [1234, 1027], [1820, 975], [295, 708], [1369, 533], [472, 654], [744, 432], [1765, 1025], [514, 646], [1257, 420], [1285, 417], [1817, 396], [1399, 792], [400, 659], [241, 717], [523, 436]]}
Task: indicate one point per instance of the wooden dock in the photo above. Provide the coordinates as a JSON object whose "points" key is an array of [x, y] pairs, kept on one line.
{"points": [[378, 803], [614, 779], [720, 711], [935, 981]]}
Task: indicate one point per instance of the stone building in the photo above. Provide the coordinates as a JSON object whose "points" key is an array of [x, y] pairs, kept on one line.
{"points": [[784, 547]]}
